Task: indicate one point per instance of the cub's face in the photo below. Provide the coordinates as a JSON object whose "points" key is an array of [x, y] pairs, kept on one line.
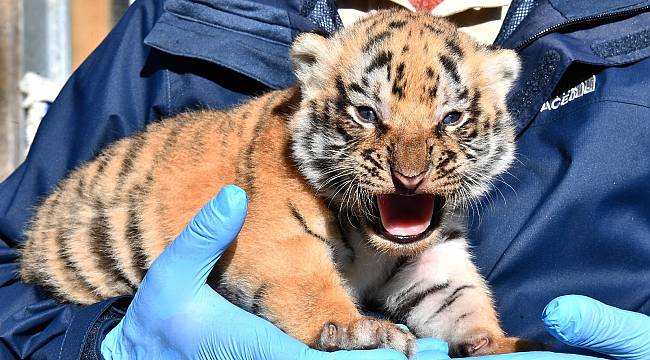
{"points": [[402, 119]]}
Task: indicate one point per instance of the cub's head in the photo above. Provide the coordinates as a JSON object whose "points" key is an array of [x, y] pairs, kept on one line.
{"points": [[402, 119]]}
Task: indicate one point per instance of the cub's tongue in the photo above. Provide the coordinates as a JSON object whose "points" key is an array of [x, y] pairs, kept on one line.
{"points": [[405, 215]]}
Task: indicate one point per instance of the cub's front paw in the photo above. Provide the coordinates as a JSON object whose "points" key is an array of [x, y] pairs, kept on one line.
{"points": [[366, 333], [481, 342]]}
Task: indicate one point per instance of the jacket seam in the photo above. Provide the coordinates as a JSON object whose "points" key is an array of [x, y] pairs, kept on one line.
{"points": [[229, 65], [186, 18], [169, 93], [260, 20], [65, 335]]}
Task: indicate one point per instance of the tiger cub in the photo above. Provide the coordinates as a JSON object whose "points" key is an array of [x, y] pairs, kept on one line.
{"points": [[357, 178]]}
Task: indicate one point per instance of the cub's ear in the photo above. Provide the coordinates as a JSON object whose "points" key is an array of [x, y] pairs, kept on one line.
{"points": [[501, 67], [311, 55]]}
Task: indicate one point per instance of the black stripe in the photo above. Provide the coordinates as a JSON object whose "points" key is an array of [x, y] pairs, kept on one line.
{"points": [[475, 105], [357, 88], [463, 94], [80, 189], [454, 47], [433, 29], [170, 141], [259, 296], [246, 170], [133, 229], [399, 75], [136, 144], [430, 72], [298, 216], [102, 161], [342, 99], [405, 307], [373, 40], [462, 316], [471, 146], [451, 299], [450, 156], [198, 140], [452, 235], [397, 24], [367, 155], [433, 91], [102, 246], [346, 136], [383, 58], [450, 66], [232, 293], [400, 81], [63, 236]]}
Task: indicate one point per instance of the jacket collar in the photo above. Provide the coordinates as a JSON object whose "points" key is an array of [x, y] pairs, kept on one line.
{"points": [[249, 37], [549, 16], [557, 33]]}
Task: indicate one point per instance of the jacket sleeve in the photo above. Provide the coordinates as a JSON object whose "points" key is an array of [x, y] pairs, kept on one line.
{"points": [[112, 94]]}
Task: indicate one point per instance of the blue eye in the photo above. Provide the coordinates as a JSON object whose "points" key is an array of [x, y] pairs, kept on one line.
{"points": [[452, 118], [366, 114]]}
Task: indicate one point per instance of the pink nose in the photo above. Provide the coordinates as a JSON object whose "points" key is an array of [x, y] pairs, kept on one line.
{"points": [[405, 182]]}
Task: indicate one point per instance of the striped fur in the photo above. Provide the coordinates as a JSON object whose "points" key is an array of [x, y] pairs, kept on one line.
{"points": [[310, 252]]}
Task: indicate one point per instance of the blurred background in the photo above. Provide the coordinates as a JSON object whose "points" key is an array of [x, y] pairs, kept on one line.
{"points": [[43, 41]]}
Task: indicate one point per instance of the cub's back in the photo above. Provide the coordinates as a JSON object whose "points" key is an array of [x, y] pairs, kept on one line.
{"points": [[96, 234]]}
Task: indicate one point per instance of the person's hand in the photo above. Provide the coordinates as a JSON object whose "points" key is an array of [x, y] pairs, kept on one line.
{"points": [[175, 314], [581, 322], [584, 322]]}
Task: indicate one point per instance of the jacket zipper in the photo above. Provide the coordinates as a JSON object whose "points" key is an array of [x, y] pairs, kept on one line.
{"points": [[581, 20]]}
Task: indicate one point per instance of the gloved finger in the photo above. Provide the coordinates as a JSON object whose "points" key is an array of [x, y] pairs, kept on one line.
{"points": [[431, 355], [584, 322], [188, 260], [433, 345], [535, 355], [377, 354]]}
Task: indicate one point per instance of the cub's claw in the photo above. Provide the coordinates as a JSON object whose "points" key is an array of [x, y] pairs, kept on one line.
{"points": [[366, 333]]}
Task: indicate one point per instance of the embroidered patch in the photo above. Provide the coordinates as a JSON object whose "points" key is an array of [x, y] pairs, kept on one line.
{"points": [[585, 87]]}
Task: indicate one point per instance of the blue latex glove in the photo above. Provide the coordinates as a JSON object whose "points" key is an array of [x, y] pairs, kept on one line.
{"points": [[175, 314], [582, 322]]}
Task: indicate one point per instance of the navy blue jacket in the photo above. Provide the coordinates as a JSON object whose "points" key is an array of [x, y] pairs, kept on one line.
{"points": [[574, 216]]}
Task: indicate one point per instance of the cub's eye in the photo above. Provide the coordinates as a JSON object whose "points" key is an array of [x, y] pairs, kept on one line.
{"points": [[366, 114], [452, 118]]}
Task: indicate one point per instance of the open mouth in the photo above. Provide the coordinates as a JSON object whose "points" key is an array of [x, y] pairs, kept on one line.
{"points": [[406, 219]]}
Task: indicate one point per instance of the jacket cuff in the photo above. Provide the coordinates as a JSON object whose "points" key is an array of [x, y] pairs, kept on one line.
{"points": [[89, 326]]}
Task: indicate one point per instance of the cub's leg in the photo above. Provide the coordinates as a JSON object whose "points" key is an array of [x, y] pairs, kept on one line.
{"points": [[441, 294], [299, 289]]}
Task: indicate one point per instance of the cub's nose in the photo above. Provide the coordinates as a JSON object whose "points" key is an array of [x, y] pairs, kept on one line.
{"points": [[408, 184]]}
